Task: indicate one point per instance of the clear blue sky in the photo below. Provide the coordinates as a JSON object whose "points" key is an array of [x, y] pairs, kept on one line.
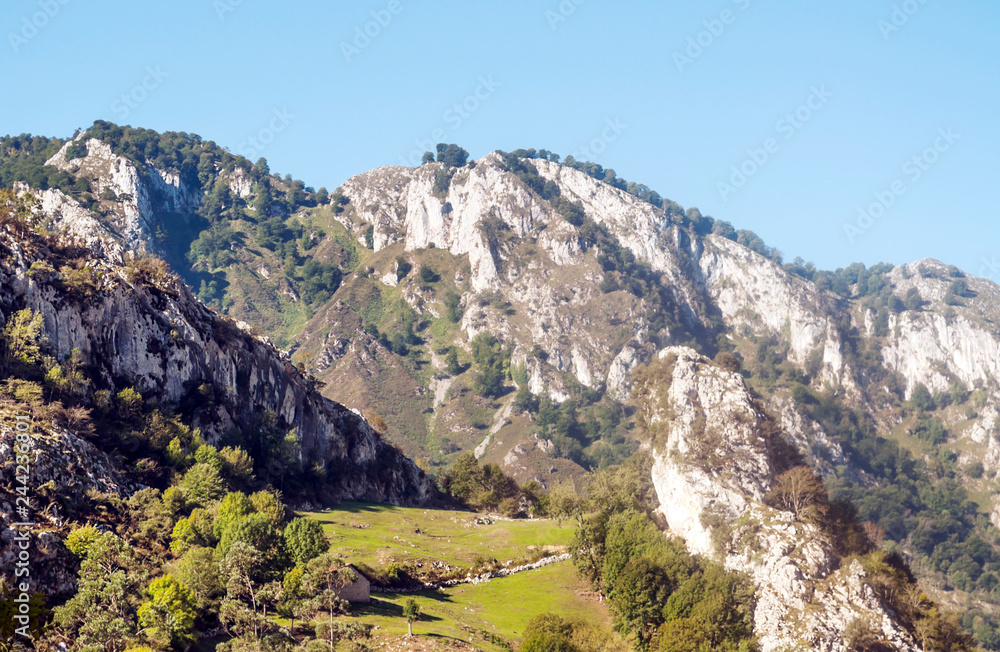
{"points": [[552, 78]]}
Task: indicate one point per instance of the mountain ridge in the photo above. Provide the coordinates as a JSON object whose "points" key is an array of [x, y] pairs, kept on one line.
{"points": [[501, 305]]}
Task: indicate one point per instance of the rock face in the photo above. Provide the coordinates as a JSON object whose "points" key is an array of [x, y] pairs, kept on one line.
{"points": [[151, 334], [142, 195], [714, 462], [60, 465]]}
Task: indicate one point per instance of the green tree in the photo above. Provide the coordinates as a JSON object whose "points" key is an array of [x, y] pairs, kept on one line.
{"points": [[199, 571], [208, 454], [921, 399], [22, 338], [169, 612], [202, 485], [305, 540], [244, 608], [270, 505], [236, 463], [234, 506], [323, 578], [547, 633], [257, 531], [913, 300], [109, 587], [451, 364], [638, 597], [411, 611], [451, 155], [684, 635], [722, 603], [428, 275], [81, 539], [493, 361], [453, 306]]}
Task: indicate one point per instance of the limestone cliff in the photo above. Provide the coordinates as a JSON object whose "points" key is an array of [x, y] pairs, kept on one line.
{"points": [[714, 463], [139, 326]]}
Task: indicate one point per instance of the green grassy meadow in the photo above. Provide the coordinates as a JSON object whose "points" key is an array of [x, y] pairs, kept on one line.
{"points": [[487, 616]]}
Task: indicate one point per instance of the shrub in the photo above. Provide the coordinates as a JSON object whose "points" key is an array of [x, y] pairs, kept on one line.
{"points": [[202, 485], [305, 540], [800, 491], [81, 539], [149, 272], [428, 275], [728, 361]]}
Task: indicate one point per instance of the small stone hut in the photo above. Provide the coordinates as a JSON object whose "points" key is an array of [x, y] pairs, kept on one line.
{"points": [[360, 590]]}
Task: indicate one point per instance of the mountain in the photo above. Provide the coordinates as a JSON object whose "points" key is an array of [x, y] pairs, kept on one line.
{"points": [[117, 364], [502, 305]]}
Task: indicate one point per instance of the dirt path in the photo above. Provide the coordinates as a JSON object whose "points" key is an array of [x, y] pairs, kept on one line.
{"points": [[480, 579]]}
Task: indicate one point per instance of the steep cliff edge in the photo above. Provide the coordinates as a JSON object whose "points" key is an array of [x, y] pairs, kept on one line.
{"points": [[717, 454], [137, 326]]}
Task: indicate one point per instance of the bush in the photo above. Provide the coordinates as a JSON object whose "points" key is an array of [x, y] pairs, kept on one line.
{"points": [[202, 485], [305, 540], [77, 149], [149, 272], [728, 361], [428, 275], [921, 399]]}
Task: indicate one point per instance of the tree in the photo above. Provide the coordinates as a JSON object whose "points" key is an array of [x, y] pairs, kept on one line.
{"points": [[639, 596], [324, 576], [720, 602], [800, 491], [913, 300], [453, 306], [234, 506], [199, 571], [428, 275], [168, 613], [244, 609], [109, 587], [22, 337], [547, 633], [403, 267], [451, 155], [236, 463], [921, 399], [411, 611], [305, 540], [427, 158], [493, 361], [451, 364], [257, 531], [268, 504], [202, 485], [684, 635]]}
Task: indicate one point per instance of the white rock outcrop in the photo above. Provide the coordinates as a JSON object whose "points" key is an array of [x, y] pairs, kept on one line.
{"points": [[713, 465]]}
